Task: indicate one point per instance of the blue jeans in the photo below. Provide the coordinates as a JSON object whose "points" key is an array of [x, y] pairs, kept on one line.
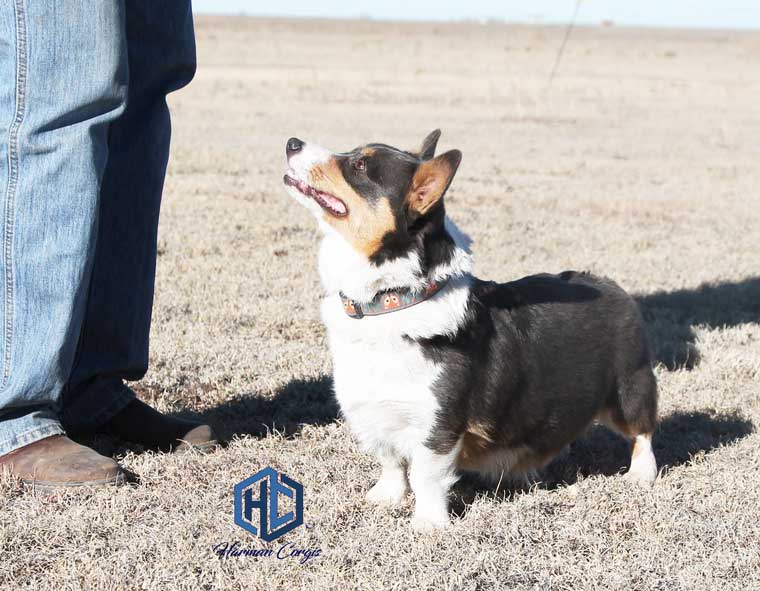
{"points": [[84, 142]]}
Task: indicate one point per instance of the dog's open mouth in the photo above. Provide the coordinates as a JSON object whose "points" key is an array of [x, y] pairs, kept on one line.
{"points": [[329, 203]]}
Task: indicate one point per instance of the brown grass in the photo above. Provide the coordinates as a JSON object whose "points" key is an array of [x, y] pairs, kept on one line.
{"points": [[641, 161]]}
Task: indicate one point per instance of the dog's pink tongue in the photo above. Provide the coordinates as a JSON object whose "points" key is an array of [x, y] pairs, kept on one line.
{"points": [[335, 204]]}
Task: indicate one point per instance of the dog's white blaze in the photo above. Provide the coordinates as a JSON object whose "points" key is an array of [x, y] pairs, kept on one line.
{"points": [[304, 160], [300, 164]]}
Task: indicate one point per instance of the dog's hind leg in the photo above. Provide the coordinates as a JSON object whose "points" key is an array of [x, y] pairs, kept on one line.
{"points": [[643, 468], [632, 412]]}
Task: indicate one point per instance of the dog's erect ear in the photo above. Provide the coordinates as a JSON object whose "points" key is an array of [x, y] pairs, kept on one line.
{"points": [[431, 180], [427, 151]]}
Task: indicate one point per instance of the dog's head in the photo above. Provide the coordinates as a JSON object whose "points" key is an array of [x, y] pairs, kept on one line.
{"points": [[380, 199]]}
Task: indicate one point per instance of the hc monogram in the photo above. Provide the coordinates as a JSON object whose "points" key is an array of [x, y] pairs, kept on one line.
{"points": [[256, 504]]}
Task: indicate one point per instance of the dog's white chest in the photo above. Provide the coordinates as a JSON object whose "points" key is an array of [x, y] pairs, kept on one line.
{"points": [[383, 381]]}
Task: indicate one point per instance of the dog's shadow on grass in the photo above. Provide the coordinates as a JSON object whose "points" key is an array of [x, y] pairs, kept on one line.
{"points": [[680, 437], [671, 316], [300, 402]]}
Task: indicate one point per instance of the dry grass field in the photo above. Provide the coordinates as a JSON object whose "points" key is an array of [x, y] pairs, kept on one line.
{"points": [[640, 161]]}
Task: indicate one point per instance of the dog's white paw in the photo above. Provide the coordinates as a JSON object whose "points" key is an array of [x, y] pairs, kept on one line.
{"points": [[643, 470], [428, 523], [386, 492], [642, 475]]}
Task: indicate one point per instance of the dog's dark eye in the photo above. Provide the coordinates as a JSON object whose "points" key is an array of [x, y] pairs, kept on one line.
{"points": [[360, 164]]}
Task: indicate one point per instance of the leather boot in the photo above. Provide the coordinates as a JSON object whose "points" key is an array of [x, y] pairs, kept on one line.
{"points": [[140, 423], [58, 461]]}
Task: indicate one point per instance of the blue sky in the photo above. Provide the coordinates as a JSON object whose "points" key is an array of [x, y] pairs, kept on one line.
{"points": [[734, 14]]}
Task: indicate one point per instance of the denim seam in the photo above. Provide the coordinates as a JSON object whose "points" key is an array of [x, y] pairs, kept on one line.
{"points": [[13, 173], [19, 440]]}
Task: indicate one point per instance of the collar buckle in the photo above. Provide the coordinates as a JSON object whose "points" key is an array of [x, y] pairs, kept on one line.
{"points": [[358, 313], [350, 307]]}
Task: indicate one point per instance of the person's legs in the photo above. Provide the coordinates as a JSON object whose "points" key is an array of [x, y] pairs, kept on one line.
{"points": [[113, 344], [63, 81]]}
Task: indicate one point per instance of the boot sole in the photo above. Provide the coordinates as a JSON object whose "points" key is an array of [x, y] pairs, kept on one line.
{"points": [[44, 485], [203, 448]]}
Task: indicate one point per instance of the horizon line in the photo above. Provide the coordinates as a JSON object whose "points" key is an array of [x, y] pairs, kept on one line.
{"points": [[587, 23]]}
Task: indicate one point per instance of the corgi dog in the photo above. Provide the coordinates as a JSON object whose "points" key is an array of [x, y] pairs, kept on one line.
{"points": [[438, 372]]}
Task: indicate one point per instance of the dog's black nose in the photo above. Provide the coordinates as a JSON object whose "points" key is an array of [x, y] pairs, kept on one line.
{"points": [[294, 145]]}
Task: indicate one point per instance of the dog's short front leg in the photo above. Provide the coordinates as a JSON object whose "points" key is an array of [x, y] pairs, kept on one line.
{"points": [[392, 486], [431, 476]]}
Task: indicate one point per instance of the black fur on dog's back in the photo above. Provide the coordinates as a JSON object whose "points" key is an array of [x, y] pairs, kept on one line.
{"points": [[536, 361]]}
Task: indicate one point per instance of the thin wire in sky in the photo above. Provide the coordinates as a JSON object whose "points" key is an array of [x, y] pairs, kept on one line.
{"points": [[564, 41]]}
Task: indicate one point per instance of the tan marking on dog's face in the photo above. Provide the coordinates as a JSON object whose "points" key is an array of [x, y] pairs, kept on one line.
{"points": [[366, 223]]}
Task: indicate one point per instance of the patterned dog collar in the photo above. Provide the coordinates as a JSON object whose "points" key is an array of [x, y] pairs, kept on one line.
{"points": [[390, 300]]}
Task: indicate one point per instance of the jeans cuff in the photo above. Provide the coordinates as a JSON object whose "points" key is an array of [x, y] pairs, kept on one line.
{"points": [[94, 407], [20, 431]]}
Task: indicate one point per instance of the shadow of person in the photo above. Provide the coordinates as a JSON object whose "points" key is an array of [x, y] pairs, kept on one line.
{"points": [[680, 436], [671, 316], [307, 401]]}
